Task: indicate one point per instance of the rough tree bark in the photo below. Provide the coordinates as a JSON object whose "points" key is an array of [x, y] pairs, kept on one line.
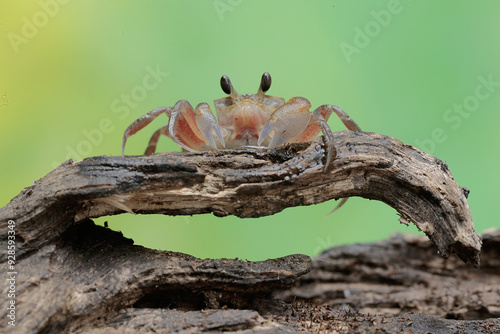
{"points": [[76, 277]]}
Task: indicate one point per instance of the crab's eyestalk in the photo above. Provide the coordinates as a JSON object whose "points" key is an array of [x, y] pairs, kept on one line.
{"points": [[265, 84], [227, 86]]}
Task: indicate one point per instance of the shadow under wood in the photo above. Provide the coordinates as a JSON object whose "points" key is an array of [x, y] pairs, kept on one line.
{"points": [[92, 272], [384, 284]]}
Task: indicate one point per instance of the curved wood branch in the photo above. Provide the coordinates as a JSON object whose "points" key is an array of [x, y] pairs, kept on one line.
{"points": [[252, 183], [90, 273], [76, 277]]}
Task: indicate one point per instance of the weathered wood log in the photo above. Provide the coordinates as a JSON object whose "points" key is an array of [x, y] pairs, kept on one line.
{"points": [[252, 183], [398, 285], [74, 276], [401, 275]]}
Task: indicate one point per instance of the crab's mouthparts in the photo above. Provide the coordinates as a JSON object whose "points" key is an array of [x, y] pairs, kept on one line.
{"points": [[248, 136]]}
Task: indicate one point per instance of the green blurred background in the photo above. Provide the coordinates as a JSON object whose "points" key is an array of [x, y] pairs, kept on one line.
{"points": [[75, 74]]}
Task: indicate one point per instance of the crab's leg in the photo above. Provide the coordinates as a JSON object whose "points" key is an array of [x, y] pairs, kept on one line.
{"points": [[318, 123], [349, 123], [142, 122], [154, 140], [313, 128], [331, 152], [325, 111]]}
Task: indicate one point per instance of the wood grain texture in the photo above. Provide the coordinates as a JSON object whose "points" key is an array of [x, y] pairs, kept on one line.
{"points": [[253, 183], [76, 277]]}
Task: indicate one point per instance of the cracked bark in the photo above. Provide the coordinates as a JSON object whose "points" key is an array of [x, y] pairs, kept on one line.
{"points": [[77, 277]]}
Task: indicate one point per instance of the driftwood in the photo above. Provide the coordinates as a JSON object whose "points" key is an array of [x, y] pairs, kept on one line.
{"points": [[73, 276], [398, 284]]}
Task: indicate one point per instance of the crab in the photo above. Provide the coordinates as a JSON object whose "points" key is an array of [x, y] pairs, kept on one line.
{"points": [[243, 120]]}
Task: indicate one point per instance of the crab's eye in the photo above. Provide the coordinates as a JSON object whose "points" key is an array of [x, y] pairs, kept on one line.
{"points": [[225, 84], [265, 82]]}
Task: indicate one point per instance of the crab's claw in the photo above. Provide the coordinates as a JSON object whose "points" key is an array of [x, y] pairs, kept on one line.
{"points": [[286, 122], [207, 124], [191, 129], [292, 123]]}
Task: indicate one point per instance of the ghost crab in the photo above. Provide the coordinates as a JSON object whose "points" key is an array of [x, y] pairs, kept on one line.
{"points": [[243, 120]]}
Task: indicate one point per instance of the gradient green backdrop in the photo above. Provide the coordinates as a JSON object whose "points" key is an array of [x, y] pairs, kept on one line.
{"points": [[397, 67]]}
